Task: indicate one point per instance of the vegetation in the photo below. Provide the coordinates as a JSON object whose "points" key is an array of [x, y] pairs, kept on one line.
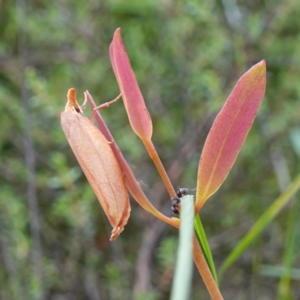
{"points": [[187, 56]]}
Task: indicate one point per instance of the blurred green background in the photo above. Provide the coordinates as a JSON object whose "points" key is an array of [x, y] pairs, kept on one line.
{"points": [[187, 56]]}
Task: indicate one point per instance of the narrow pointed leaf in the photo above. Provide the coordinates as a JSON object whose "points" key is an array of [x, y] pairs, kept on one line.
{"points": [[273, 210], [229, 132], [137, 112], [203, 242]]}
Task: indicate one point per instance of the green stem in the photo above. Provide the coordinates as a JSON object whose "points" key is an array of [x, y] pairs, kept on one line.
{"points": [[181, 287]]}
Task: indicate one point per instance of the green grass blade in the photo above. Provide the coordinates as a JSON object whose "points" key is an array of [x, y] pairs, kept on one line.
{"points": [[202, 239], [277, 272], [290, 251], [181, 287], [261, 224]]}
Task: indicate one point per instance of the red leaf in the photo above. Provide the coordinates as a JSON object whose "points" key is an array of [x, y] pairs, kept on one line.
{"points": [[137, 112], [229, 132]]}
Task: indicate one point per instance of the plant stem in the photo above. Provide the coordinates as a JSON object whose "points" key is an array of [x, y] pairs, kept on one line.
{"points": [[184, 265], [205, 273], [159, 166]]}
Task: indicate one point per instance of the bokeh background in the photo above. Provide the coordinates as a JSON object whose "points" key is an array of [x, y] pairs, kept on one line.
{"points": [[187, 56]]}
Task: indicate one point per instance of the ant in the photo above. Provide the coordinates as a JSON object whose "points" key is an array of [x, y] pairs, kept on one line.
{"points": [[176, 200]]}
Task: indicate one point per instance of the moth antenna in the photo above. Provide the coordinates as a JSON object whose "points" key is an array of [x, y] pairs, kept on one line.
{"points": [[107, 104]]}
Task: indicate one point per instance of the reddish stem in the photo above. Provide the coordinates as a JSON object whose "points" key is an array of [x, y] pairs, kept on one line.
{"points": [[205, 272]]}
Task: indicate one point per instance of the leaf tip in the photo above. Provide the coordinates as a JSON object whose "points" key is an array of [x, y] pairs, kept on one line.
{"points": [[118, 31], [263, 63], [261, 67], [117, 35]]}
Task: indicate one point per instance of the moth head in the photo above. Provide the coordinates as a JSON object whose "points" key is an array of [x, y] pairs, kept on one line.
{"points": [[72, 104]]}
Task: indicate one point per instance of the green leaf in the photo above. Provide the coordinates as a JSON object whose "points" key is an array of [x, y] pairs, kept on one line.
{"points": [[261, 224], [290, 250], [202, 239]]}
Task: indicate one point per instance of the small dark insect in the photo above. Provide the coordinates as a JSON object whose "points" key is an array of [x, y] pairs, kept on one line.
{"points": [[182, 192], [175, 205], [176, 200]]}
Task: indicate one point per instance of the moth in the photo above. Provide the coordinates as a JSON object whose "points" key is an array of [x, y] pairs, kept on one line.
{"points": [[98, 163]]}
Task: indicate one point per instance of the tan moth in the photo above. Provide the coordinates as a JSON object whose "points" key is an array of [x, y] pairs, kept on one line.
{"points": [[98, 163]]}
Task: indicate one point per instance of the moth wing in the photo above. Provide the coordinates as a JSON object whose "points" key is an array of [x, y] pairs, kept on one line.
{"points": [[100, 167]]}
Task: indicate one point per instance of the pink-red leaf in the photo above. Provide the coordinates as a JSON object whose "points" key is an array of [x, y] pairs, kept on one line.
{"points": [[229, 132], [137, 112]]}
